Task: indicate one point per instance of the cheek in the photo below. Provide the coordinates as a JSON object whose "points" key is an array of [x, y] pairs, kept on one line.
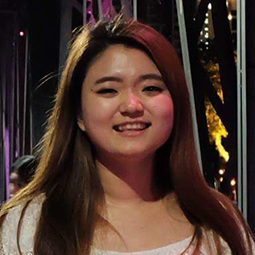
{"points": [[168, 113], [164, 111], [97, 112]]}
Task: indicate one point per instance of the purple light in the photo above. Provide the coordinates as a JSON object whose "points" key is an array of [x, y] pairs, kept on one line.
{"points": [[7, 160], [108, 9]]}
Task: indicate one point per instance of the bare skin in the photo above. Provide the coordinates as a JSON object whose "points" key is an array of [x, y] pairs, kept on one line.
{"points": [[141, 225]]}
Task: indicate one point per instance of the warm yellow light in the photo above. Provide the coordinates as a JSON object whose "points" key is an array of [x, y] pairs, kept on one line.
{"points": [[230, 17], [233, 182], [221, 179], [221, 171], [220, 147], [216, 131], [210, 6]]}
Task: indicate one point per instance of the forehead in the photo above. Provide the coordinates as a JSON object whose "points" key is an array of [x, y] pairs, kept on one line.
{"points": [[120, 58]]}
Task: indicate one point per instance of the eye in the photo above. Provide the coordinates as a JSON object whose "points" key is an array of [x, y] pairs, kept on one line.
{"points": [[107, 91], [153, 89]]}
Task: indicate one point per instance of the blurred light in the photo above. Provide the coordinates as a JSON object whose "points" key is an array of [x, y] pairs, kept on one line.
{"points": [[21, 33], [89, 11], [221, 179], [216, 128], [206, 15], [206, 43], [233, 182], [206, 21], [206, 29], [221, 171], [206, 35], [230, 17], [209, 6]]}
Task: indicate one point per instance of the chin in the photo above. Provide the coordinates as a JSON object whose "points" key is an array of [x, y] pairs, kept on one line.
{"points": [[134, 154]]}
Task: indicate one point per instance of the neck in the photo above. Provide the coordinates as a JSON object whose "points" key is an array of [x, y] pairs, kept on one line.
{"points": [[127, 181]]}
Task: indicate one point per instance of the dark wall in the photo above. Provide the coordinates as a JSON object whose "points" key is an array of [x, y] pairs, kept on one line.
{"points": [[7, 34], [43, 21], [250, 31]]}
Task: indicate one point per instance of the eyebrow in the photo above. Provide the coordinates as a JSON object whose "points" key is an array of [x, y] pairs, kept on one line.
{"points": [[141, 78], [108, 78], [150, 76]]}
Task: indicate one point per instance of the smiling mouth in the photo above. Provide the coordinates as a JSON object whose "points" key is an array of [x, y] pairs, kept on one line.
{"points": [[136, 126]]}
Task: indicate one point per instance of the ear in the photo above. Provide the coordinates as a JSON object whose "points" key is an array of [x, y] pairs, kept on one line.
{"points": [[80, 123]]}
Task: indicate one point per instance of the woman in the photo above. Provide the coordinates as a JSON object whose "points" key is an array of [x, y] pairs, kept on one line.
{"points": [[119, 170]]}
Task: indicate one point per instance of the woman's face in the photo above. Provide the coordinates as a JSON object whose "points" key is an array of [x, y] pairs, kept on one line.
{"points": [[127, 110]]}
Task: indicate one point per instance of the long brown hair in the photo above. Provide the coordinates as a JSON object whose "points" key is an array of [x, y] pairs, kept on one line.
{"points": [[67, 174]]}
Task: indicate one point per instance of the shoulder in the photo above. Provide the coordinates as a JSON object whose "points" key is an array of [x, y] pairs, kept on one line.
{"points": [[210, 241], [9, 228]]}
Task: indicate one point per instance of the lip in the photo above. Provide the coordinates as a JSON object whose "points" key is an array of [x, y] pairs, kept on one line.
{"points": [[132, 132]]}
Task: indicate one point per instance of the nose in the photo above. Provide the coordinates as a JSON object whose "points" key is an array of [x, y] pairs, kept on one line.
{"points": [[131, 105]]}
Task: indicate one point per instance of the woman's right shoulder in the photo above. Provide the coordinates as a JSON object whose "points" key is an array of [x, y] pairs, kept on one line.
{"points": [[28, 224]]}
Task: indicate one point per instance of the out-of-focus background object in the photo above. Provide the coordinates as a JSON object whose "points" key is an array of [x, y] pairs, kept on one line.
{"points": [[22, 172]]}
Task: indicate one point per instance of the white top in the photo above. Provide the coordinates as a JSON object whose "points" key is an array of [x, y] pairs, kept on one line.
{"points": [[8, 236], [171, 249]]}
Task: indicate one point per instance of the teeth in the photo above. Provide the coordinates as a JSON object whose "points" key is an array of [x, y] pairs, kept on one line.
{"points": [[135, 126]]}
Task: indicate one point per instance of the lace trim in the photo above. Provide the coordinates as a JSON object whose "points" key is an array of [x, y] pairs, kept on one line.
{"points": [[171, 249], [207, 248], [8, 231], [1, 244]]}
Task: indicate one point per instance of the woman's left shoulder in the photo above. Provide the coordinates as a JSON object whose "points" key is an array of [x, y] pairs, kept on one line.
{"points": [[211, 239]]}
